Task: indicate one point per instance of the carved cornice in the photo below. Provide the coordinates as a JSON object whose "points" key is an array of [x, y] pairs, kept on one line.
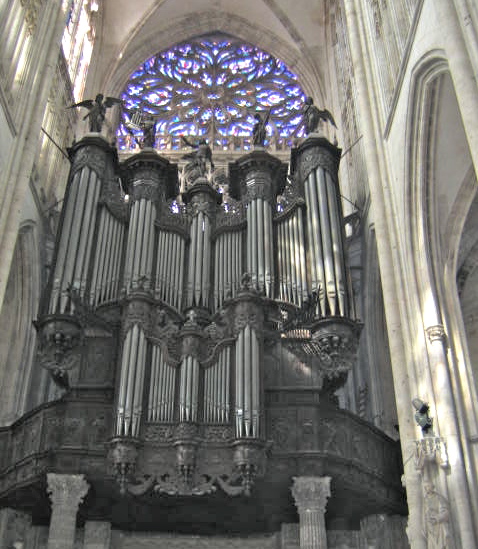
{"points": [[202, 192], [312, 154], [67, 491], [150, 167], [311, 493], [258, 165], [92, 151]]}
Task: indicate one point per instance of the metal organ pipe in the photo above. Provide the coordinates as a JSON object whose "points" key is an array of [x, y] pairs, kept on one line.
{"points": [[247, 397], [161, 395], [71, 258], [98, 261], [260, 244], [336, 227], [192, 261], [74, 253], [199, 251], [70, 210], [108, 259], [131, 382], [188, 389], [239, 396], [138, 384], [130, 368], [317, 250], [86, 234], [326, 242]]}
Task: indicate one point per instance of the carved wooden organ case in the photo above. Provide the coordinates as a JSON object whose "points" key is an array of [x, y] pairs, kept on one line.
{"points": [[176, 304]]}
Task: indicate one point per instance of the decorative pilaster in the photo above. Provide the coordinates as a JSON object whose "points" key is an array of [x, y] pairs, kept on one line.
{"points": [[66, 493], [310, 495]]}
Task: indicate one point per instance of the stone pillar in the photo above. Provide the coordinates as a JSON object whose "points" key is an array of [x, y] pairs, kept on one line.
{"points": [[66, 493], [97, 535], [310, 495]]}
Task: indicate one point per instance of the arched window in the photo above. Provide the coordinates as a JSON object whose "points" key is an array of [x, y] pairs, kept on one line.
{"points": [[77, 42], [211, 87]]}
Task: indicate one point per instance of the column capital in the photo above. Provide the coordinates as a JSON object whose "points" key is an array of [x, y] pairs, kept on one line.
{"points": [[311, 493], [67, 491]]}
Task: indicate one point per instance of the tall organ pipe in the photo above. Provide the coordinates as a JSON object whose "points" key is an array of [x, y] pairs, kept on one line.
{"points": [[325, 228], [336, 226], [188, 389], [316, 165], [131, 383], [247, 394], [76, 242]]}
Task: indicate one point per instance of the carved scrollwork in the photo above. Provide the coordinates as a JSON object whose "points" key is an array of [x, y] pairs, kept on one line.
{"points": [[146, 189], [137, 311], [90, 156], [317, 157]]}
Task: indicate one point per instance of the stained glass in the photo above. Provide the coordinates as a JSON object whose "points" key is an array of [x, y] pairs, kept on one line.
{"points": [[213, 86]]}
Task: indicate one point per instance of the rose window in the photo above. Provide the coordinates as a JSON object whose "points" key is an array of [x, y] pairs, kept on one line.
{"points": [[211, 87]]}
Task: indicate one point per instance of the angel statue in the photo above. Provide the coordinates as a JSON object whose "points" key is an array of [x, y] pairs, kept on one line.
{"points": [[97, 110], [199, 156], [311, 116], [259, 129]]}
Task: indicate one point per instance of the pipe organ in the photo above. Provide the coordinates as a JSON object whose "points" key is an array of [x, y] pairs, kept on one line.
{"points": [[191, 288]]}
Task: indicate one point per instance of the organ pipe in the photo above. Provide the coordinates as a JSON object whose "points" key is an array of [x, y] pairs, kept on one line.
{"points": [[161, 393], [76, 242], [247, 382], [188, 389], [336, 228], [326, 242], [131, 382], [316, 242]]}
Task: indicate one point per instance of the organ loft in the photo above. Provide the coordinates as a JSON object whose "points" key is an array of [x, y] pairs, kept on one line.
{"points": [[198, 340]]}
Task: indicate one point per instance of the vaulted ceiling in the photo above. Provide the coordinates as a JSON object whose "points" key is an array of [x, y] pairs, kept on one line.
{"points": [[128, 32]]}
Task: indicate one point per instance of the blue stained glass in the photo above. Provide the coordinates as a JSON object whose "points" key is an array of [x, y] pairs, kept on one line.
{"points": [[213, 83]]}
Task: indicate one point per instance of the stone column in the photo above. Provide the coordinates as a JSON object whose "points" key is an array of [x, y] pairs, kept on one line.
{"points": [[310, 495], [66, 493], [97, 535]]}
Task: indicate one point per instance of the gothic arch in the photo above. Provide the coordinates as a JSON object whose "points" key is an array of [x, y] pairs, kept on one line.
{"points": [[19, 310], [140, 45], [439, 195]]}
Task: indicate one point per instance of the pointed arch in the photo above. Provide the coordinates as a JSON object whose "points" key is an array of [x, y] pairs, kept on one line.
{"points": [[19, 310], [141, 45]]}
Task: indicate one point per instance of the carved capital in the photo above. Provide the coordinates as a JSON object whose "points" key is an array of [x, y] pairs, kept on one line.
{"points": [[67, 491], [311, 493], [436, 333], [259, 185]]}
